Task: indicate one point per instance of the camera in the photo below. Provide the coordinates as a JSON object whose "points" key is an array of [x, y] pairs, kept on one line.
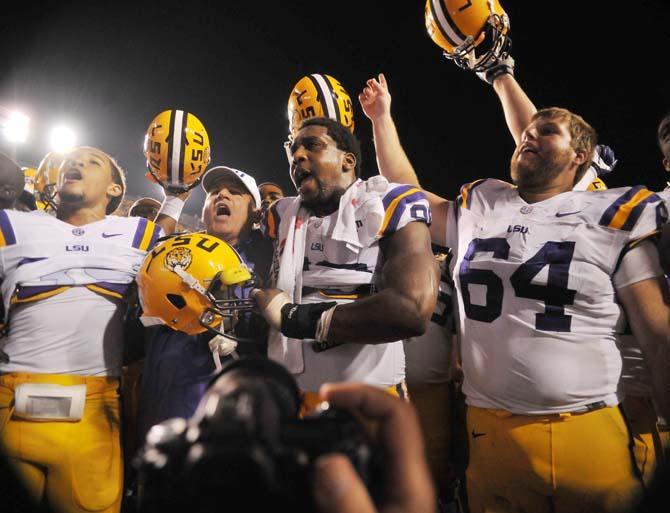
{"points": [[247, 446]]}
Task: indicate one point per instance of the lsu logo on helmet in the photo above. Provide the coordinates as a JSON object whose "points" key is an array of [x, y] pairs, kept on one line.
{"points": [[319, 95], [176, 146], [178, 257], [472, 33], [188, 282], [45, 185]]}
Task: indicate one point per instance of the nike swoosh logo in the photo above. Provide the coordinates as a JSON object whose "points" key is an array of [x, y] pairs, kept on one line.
{"points": [[563, 214], [476, 435], [108, 235]]}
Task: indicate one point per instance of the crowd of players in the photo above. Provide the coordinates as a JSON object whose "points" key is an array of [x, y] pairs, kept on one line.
{"points": [[542, 305]]}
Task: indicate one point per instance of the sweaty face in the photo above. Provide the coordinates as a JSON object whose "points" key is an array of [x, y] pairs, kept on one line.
{"points": [[544, 153], [85, 178], [317, 168], [269, 194], [228, 210]]}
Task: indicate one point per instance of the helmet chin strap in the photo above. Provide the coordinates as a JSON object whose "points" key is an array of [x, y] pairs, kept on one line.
{"points": [[189, 280], [220, 345]]}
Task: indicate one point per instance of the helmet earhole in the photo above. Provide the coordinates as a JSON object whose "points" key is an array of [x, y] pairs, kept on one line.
{"points": [[178, 301]]}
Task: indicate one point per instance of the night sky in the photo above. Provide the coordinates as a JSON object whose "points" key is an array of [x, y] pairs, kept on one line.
{"points": [[107, 70]]}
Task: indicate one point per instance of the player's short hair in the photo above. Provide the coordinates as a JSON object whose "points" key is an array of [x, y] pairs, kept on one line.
{"points": [[583, 136], [344, 139], [119, 178]]}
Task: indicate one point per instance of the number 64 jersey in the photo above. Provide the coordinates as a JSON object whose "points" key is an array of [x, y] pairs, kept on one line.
{"points": [[537, 311]]}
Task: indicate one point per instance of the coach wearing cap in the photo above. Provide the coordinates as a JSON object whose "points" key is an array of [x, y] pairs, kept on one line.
{"points": [[177, 366]]}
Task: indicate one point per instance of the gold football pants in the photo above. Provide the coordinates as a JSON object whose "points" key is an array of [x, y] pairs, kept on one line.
{"points": [[550, 463], [433, 407], [74, 466]]}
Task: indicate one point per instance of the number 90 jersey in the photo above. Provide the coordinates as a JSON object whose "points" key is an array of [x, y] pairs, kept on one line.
{"points": [[537, 312]]}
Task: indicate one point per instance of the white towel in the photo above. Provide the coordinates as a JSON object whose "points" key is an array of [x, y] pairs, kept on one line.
{"points": [[362, 201], [292, 230]]}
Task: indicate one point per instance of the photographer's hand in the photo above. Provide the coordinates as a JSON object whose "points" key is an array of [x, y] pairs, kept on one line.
{"points": [[337, 487]]}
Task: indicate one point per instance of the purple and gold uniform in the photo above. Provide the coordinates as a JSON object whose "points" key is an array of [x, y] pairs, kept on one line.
{"points": [[335, 270], [538, 320], [62, 290]]}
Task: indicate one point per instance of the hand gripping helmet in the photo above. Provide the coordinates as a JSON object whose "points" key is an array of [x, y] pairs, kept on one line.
{"points": [[319, 95], [46, 181], [177, 150], [188, 282], [472, 33]]}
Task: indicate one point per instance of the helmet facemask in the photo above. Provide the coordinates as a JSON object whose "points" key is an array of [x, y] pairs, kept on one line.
{"points": [[225, 305], [494, 47]]}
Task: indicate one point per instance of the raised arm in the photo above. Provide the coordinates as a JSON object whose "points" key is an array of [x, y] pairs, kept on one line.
{"points": [[391, 157], [392, 160], [168, 215], [516, 105]]}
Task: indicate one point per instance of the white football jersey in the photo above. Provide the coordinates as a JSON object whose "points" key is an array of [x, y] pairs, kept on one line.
{"points": [[538, 315], [62, 286], [333, 272], [428, 357]]}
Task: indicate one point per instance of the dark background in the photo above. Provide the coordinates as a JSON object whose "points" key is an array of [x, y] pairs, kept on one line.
{"points": [[107, 69]]}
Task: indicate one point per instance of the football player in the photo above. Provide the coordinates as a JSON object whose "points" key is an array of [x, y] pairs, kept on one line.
{"points": [[64, 280], [646, 426], [540, 264], [353, 265]]}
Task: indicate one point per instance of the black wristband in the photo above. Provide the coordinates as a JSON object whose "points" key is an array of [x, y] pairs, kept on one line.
{"points": [[299, 321]]}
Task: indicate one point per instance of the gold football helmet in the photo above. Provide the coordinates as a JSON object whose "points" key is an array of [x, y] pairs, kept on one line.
{"points": [[319, 95], [472, 33], [188, 282], [177, 150], [46, 181]]}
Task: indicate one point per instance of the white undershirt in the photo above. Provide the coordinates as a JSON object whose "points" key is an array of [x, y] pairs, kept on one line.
{"points": [[639, 264]]}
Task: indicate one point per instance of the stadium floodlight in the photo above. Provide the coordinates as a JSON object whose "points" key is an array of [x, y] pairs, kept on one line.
{"points": [[62, 139], [15, 126]]}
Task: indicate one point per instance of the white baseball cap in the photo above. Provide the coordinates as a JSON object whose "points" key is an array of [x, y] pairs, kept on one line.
{"points": [[213, 175]]}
